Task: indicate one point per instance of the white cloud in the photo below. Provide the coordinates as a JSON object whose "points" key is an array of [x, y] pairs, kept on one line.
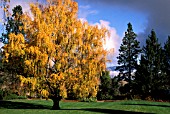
{"points": [[114, 73], [84, 7], [112, 42], [1, 44], [86, 10], [83, 20]]}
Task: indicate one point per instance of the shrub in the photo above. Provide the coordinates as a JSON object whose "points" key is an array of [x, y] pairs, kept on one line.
{"points": [[91, 99], [7, 95], [10, 96], [22, 97], [102, 96]]}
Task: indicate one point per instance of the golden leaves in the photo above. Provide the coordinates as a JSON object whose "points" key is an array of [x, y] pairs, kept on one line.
{"points": [[55, 33], [63, 91], [15, 46], [56, 78], [16, 39], [27, 63], [45, 93], [35, 10], [30, 80]]}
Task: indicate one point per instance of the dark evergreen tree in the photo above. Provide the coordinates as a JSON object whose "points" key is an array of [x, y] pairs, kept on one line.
{"points": [[128, 54], [105, 88], [167, 63], [149, 75], [141, 83], [14, 24]]}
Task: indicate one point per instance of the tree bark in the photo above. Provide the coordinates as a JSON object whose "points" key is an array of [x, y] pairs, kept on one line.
{"points": [[56, 105]]}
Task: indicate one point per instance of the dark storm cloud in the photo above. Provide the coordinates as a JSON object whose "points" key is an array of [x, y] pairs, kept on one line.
{"points": [[157, 11]]}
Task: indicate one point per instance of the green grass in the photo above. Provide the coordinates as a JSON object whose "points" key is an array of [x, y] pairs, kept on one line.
{"points": [[118, 107]]}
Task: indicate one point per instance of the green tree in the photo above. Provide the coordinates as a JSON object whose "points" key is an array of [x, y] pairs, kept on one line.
{"points": [[105, 87], [128, 54], [141, 83], [149, 76], [14, 24], [167, 62]]}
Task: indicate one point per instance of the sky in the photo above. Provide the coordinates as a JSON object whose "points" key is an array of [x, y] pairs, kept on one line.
{"points": [[144, 15]]}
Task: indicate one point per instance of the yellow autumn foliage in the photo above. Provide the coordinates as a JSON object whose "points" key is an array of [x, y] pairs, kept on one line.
{"points": [[54, 33], [44, 93]]}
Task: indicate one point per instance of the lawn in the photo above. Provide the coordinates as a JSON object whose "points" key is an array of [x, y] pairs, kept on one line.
{"points": [[117, 107]]}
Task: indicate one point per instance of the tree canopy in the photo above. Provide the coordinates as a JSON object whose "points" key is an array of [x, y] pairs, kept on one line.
{"points": [[149, 75], [53, 33], [128, 54]]}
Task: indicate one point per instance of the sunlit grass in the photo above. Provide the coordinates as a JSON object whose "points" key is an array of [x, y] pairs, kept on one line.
{"points": [[118, 107]]}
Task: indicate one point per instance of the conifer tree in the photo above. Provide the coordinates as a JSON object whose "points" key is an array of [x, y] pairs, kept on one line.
{"points": [[167, 63], [14, 24], [149, 74], [141, 82], [105, 88], [128, 54]]}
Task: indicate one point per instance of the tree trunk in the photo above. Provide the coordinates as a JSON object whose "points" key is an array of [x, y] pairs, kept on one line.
{"points": [[56, 105]]}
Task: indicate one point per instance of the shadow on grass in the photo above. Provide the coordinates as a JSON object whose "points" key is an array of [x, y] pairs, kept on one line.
{"points": [[22, 105], [166, 106]]}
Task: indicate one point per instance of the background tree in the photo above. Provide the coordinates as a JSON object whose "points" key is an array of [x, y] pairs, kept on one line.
{"points": [[141, 83], [54, 33], [128, 54], [105, 89], [167, 63], [13, 65], [4, 5], [149, 75], [13, 23]]}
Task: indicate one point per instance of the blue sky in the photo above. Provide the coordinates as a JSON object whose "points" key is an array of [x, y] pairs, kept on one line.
{"points": [[117, 18], [116, 14]]}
